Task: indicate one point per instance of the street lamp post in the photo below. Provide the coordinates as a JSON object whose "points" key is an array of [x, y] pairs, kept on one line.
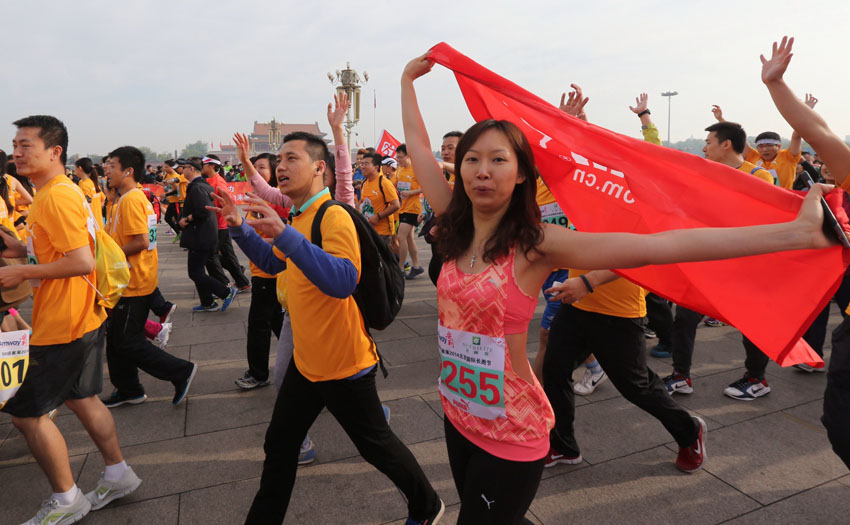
{"points": [[669, 95], [348, 81]]}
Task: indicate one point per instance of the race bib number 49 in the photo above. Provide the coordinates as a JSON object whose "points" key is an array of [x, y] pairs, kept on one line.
{"points": [[14, 361], [472, 372]]}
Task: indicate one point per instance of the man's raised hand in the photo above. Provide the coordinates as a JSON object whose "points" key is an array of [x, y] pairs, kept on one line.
{"points": [[811, 100], [717, 112], [574, 103], [337, 110], [773, 69], [226, 207], [243, 145], [640, 104]]}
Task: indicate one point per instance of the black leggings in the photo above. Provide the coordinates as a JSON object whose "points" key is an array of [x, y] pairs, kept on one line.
{"points": [[492, 490]]}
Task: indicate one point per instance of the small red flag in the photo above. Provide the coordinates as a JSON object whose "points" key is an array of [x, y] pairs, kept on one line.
{"points": [[607, 182], [387, 144]]}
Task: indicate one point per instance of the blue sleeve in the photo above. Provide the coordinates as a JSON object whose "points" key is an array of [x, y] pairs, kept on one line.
{"points": [[334, 276], [259, 251]]}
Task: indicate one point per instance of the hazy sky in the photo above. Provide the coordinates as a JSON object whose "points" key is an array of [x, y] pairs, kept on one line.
{"points": [[163, 74]]}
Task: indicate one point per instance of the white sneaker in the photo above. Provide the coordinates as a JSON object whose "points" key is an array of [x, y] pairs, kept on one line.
{"points": [[53, 513], [161, 339], [108, 491], [588, 383]]}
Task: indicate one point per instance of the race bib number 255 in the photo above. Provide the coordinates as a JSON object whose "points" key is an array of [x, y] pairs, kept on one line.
{"points": [[472, 372]]}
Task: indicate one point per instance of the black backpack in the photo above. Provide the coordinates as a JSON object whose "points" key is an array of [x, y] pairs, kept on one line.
{"points": [[380, 292]]}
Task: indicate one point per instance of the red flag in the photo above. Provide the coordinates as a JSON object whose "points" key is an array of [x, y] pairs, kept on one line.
{"points": [[607, 182], [387, 144]]}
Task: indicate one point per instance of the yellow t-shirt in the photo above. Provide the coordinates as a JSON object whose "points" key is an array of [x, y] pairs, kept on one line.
{"points": [[88, 188], [134, 215], [255, 270], [63, 309], [550, 210], [110, 215], [329, 336], [407, 182], [372, 202], [784, 166], [619, 298], [180, 182], [7, 215], [763, 174]]}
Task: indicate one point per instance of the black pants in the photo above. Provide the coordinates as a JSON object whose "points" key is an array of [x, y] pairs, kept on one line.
{"points": [[159, 306], [660, 319], [619, 345], [172, 215], [264, 317], [816, 333], [836, 398], [128, 350], [435, 265], [684, 336], [206, 285], [227, 259], [492, 490], [355, 405]]}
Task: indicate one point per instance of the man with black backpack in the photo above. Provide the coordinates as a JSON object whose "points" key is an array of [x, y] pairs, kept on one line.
{"points": [[334, 358]]}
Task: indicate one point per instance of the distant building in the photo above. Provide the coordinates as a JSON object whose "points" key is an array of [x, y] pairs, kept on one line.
{"points": [[266, 137]]}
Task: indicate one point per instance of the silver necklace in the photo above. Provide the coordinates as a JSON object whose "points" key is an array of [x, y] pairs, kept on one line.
{"points": [[472, 262]]}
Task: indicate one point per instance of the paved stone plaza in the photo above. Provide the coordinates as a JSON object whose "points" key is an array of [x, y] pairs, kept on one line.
{"points": [[769, 461]]}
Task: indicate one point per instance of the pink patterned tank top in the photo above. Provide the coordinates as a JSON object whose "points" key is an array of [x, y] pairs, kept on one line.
{"points": [[482, 395]]}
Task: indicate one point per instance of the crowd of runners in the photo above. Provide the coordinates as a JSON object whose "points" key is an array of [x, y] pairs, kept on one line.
{"points": [[314, 227]]}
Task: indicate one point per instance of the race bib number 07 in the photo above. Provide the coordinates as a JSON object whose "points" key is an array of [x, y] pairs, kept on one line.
{"points": [[14, 362], [472, 372]]}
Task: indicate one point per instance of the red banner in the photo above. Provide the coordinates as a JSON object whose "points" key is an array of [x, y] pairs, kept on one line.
{"points": [[387, 144], [609, 182], [238, 189]]}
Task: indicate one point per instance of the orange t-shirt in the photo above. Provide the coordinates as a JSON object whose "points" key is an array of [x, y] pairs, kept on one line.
{"points": [[134, 215], [63, 309]]}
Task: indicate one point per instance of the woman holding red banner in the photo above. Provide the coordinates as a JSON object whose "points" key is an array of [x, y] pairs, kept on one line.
{"points": [[497, 255]]}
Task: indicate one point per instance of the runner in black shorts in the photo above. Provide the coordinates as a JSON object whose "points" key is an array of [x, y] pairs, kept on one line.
{"points": [[66, 361], [409, 218]]}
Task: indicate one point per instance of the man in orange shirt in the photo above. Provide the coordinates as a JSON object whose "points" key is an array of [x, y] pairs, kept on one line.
{"points": [[127, 348], [378, 197], [411, 207], [66, 350]]}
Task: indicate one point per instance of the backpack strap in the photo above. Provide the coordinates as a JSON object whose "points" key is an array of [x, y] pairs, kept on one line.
{"points": [[316, 238]]}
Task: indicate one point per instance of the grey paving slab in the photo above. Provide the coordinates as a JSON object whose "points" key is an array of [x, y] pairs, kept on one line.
{"points": [[5, 429], [225, 504], [213, 379], [422, 325], [845, 480], [640, 488], [136, 424], [394, 331], [615, 428], [217, 352], [414, 309], [826, 504], [224, 330], [413, 421], [772, 457], [411, 379], [406, 351], [175, 466], [368, 495], [162, 511], [708, 398], [231, 409], [238, 311], [25, 487]]}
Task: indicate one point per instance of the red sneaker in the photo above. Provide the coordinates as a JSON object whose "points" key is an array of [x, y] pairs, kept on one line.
{"points": [[691, 458], [554, 458]]}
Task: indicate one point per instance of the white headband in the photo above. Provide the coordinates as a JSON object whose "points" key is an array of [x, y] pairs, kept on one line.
{"points": [[768, 141]]}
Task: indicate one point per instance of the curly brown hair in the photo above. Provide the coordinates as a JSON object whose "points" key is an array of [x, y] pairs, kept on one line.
{"points": [[520, 227]]}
